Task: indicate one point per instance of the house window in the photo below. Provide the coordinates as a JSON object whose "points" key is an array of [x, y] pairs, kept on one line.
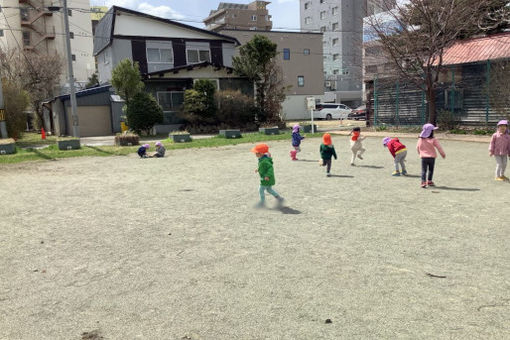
{"points": [[335, 41], [198, 56], [286, 54], [253, 28], [334, 27], [170, 100], [300, 81], [160, 55], [306, 51], [253, 18], [334, 11], [71, 35], [73, 57], [323, 15], [308, 20], [336, 56]]}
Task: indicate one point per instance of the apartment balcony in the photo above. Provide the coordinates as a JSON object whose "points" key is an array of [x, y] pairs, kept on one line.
{"points": [[29, 21], [31, 44]]}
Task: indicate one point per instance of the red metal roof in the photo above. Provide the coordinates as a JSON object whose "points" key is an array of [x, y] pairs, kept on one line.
{"points": [[474, 50]]}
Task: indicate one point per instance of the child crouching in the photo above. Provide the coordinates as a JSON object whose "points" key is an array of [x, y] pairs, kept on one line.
{"points": [[399, 153]]}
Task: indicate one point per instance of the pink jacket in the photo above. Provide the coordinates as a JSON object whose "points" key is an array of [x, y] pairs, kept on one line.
{"points": [[427, 148], [500, 144]]}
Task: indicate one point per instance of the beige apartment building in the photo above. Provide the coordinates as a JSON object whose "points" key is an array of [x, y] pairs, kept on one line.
{"points": [[253, 16], [38, 25], [300, 57]]}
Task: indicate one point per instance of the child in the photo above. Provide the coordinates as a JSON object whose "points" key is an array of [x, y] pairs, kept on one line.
{"points": [[266, 173], [160, 150], [399, 153], [426, 147], [356, 146], [500, 149], [296, 141], [327, 150], [142, 150]]}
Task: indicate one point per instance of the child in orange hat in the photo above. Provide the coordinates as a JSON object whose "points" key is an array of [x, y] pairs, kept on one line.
{"points": [[266, 173], [327, 151]]}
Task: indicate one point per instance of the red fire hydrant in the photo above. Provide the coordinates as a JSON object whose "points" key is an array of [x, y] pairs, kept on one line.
{"points": [[43, 133]]}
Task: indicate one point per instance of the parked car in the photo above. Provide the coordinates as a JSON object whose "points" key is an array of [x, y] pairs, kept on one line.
{"points": [[331, 111], [359, 113]]}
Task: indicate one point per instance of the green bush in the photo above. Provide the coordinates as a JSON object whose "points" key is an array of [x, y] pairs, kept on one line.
{"points": [[235, 109], [16, 101], [143, 112]]}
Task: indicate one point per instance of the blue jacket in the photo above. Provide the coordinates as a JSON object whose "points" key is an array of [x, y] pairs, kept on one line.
{"points": [[141, 151], [296, 139]]}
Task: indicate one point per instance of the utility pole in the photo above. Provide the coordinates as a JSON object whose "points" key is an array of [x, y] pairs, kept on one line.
{"points": [[3, 126], [74, 108]]}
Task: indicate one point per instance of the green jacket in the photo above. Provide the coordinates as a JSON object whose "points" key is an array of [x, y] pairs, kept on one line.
{"points": [[266, 170], [327, 151]]}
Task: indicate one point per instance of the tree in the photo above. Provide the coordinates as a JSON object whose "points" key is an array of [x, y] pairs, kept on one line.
{"points": [[93, 81], [127, 80], [16, 102], [207, 88], [256, 62], [420, 33], [143, 112], [37, 74]]}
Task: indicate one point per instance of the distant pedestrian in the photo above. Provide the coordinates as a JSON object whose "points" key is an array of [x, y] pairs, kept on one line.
{"points": [[160, 150], [296, 142], [327, 151], [499, 147], [356, 146], [266, 173], [399, 153], [426, 148], [142, 150]]}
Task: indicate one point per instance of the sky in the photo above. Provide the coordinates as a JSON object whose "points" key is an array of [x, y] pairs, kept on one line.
{"points": [[285, 13]]}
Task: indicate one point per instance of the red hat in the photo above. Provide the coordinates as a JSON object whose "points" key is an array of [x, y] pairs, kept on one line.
{"points": [[260, 148], [326, 139]]}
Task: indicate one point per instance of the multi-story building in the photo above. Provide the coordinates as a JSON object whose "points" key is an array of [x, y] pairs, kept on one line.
{"points": [[38, 25], [341, 22], [300, 59], [253, 16]]}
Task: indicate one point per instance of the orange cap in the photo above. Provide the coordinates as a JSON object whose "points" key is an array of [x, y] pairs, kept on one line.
{"points": [[326, 139], [260, 148]]}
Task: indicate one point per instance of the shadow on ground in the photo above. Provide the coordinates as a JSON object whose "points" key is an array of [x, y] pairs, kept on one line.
{"points": [[288, 211], [370, 166], [456, 189]]}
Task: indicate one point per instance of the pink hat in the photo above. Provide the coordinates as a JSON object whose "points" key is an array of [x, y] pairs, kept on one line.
{"points": [[503, 122], [427, 130], [386, 140], [158, 144], [146, 146]]}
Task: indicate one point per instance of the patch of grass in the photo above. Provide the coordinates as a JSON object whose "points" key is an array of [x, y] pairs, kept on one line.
{"points": [[34, 139], [52, 152]]}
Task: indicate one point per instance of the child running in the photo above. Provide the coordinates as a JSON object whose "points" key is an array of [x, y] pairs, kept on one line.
{"points": [[296, 141], [266, 173], [327, 151], [500, 149], [426, 148], [142, 150], [399, 153], [356, 146]]}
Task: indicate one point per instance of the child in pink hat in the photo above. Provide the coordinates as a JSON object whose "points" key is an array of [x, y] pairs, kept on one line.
{"points": [[426, 148], [499, 147]]}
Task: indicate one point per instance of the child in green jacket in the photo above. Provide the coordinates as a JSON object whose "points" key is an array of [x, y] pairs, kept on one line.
{"points": [[266, 173], [327, 151]]}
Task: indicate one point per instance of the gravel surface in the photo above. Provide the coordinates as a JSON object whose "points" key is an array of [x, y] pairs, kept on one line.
{"points": [[129, 248]]}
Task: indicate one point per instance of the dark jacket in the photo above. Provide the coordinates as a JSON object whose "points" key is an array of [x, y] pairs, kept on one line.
{"points": [[142, 152], [327, 151], [296, 139]]}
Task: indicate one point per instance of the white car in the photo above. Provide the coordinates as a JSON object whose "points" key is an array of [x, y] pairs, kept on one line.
{"points": [[330, 111]]}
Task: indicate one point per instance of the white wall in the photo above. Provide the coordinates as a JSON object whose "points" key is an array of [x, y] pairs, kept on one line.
{"points": [[228, 54], [105, 65], [294, 108]]}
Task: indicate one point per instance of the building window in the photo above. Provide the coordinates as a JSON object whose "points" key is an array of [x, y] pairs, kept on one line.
{"points": [[336, 71], [253, 18], [323, 29], [300, 81], [160, 55], [170, 100], [334, 27], [71, 35], [345, 72], [335, 41], [323, 15], [70, 12], [253, 28], [1, 33], [73, 57], [306, 51], [334, 11], [26, 38], [321, 1], [336, 56], [308, 20], [198, 56], [286, 54]]}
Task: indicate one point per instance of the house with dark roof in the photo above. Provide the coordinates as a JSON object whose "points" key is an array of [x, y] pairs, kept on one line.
{"points": [[171, 56]]}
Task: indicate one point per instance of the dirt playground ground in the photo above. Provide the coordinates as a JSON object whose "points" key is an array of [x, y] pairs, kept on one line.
{"points": [[129, 248]]}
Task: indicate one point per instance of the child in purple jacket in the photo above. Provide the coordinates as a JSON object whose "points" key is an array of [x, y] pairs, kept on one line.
{"points": [[296, 141]]}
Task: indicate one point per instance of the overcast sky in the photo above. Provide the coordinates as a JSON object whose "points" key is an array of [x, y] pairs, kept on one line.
{"points": [[285, 12]]}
